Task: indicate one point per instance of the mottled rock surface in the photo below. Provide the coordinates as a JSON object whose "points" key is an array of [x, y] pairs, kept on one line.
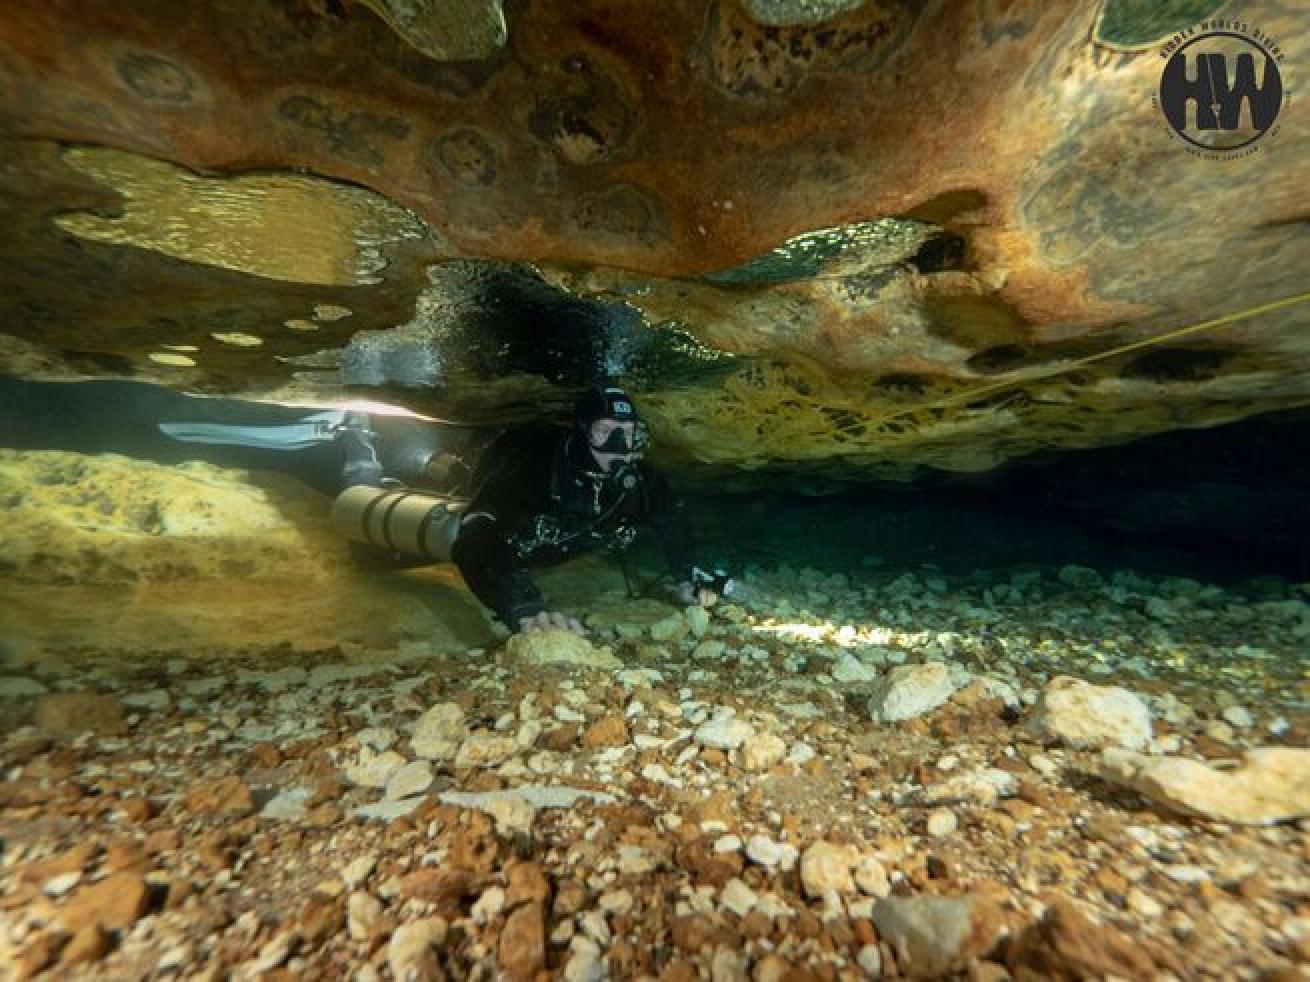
{"points": [[854, 292]]}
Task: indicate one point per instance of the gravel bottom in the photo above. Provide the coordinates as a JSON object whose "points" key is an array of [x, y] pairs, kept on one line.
{"points": [[740, 798]]}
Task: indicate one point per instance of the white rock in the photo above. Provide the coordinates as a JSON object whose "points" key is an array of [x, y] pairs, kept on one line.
{"points": [[908, 691], [727, 843], [1080, 715], [762, 751], [668, 628], [932, 936], [801, 753], [980, 787], [288, 805], [411, 779], [439, 732], [387, 811], [709, 651], [274, 953], [359, 870], [156, 700], [738, 897], [724, 732], [871, 877], [826, 866], [59, 885], [635, 861], [727, 965], [487, 906], [1239, 717], [870, 961], [848, 668], [483, 748], [769, 854], [596, 927], [698, 618], [585, 963], [363, 911], [378, 738], [410, 942], [374, 770], [942, 823]]}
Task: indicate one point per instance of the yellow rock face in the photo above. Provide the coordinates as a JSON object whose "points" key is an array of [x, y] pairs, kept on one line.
{"points": [[72, 518], [108, 551]]}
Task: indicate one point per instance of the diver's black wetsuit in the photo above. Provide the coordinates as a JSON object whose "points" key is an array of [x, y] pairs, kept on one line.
{"points": [[538, 504]]}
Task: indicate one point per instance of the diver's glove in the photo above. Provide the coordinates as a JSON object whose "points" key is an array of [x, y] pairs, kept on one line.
{"points": [[705, 587]]}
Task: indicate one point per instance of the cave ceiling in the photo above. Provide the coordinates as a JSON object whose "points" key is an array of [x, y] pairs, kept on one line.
{"points": [[819, 238]]}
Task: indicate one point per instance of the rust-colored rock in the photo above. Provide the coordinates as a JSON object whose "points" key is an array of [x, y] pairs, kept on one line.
{"points": [[79, 857], [39, 953], [90, 944], [114, 903], [611, 731], [693, 933], [1066, 945], [226, 796], [527, 884], [522, 951]]}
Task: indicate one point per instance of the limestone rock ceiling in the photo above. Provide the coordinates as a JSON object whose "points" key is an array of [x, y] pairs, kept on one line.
{"points": [[831, 237]]}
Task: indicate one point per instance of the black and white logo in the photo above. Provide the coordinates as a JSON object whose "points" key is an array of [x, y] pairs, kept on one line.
{"points": [[1222, 88]]}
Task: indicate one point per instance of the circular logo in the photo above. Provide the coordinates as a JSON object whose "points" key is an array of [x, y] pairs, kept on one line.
{"points": [[1221, 90]]}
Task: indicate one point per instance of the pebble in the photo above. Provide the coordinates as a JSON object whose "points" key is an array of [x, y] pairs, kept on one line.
{"points": [[765, 852], [59, 885], [871, 877], [411, 779], [869, 959], [942, 823], [738, 897], [483, 748], [358, 870], [724, 732], [374, 770], [826, 867], [487, 906], [1239, 717], [412, 943], [761, 751], [363, 912], [698, 619]]}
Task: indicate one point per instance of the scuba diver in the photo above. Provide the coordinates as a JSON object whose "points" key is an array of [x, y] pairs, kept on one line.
{"points": [[409, 490], [538, 497]]}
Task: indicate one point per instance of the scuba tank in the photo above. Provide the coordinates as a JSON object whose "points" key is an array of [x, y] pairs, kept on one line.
{"points": [[411, 522]]}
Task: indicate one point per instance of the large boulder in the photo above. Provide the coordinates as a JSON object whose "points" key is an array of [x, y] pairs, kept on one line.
{"points": [[908, 691], [1272, 785], [1084, 716]]}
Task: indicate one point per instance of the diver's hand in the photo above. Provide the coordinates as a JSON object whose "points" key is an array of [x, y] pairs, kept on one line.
{"points": [[689, 594], [549, 620]]}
